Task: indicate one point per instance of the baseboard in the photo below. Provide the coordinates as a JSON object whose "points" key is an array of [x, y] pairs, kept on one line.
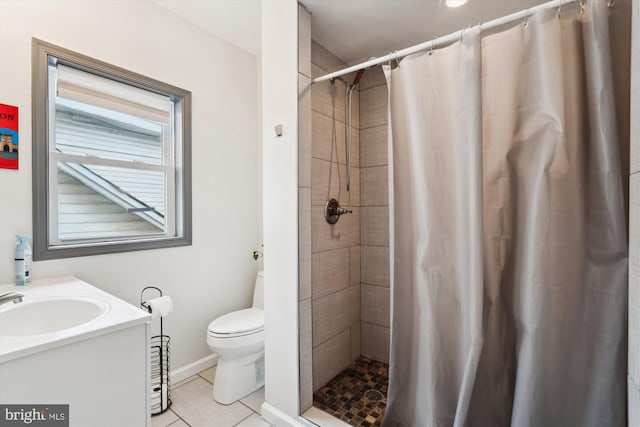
{"points": [[191, 369], [278, 418]]}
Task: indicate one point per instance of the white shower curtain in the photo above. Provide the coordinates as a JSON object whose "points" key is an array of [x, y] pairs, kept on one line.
{"points": [[510, 260]]}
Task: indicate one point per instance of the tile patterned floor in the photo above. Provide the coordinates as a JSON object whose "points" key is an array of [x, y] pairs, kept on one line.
{"points": [[357, 395], [193, 406]]}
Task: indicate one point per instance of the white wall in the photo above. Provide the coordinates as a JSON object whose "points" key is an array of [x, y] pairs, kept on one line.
{"points": [[280, 204], [214, 275]]}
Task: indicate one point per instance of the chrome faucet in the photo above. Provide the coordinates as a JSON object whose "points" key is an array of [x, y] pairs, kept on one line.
{"points": [[16, 297], [333, 210]]}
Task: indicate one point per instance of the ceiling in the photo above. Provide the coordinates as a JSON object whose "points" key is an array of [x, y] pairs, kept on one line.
{"points": [[353, 30]]}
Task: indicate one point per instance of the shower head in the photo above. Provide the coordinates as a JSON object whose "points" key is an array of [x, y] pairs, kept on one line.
{"points": [[356, 80], [350, 86], [360, 74], [358, 77]]}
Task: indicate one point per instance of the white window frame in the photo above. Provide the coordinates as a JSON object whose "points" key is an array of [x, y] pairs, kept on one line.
{"points": [[176, 164]]}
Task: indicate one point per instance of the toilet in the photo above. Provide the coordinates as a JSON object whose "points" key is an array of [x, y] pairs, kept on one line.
{"points": [[238, 340]]}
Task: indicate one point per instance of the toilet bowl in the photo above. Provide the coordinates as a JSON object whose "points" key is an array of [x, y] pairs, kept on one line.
{"points": [[238, 340]]}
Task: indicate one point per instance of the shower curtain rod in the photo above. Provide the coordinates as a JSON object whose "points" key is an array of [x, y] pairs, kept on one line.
{"points": [[431, 44]]}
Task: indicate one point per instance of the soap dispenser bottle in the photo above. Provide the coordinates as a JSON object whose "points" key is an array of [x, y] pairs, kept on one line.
{"points": [[23, 261]]}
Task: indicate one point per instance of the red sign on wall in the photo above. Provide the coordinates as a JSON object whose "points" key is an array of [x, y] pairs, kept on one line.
{"points": [[9, 150]]}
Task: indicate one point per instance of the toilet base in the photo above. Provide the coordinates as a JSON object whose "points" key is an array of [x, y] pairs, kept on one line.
{"points": [[237, 377]]}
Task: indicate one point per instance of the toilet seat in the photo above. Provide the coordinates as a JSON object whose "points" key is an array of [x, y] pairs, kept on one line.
{"points": [[237, 324]]}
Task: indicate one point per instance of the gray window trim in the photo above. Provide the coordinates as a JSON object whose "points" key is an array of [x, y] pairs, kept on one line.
{"points": [[42, 250]]}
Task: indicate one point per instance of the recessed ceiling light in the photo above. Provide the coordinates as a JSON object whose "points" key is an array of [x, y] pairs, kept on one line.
{"points": [[455, 3]]}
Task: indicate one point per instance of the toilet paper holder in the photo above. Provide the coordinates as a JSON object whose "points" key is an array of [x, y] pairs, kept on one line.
{"points": [[160, 398]]}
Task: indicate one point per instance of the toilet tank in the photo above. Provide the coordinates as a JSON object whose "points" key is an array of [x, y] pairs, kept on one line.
{"points": [[258, 291]]}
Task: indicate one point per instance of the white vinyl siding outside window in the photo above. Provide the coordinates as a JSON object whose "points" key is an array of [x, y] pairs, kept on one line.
{"points": [[117, 140], [117, 162]]}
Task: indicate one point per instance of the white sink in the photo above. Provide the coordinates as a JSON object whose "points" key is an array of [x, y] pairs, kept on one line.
{"points": [[60, 311], [70, 342], [47, 315]]}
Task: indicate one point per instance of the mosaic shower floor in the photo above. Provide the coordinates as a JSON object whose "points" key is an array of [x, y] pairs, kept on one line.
{"points": [[357, 395]]}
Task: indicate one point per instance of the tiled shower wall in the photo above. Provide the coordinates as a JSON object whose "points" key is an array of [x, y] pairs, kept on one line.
{"points": [[334, 306], [335, 259], [304, 207], [374, 217]]}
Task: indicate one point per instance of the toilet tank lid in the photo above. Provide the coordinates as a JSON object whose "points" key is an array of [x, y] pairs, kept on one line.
{"points": [[250, 319]]}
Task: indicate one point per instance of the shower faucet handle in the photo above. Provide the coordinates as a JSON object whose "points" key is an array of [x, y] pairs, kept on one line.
{"points": [[333, 210], [341, 211]]}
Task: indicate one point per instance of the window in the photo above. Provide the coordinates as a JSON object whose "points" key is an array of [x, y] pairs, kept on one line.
{"points": [[111, 158]]}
